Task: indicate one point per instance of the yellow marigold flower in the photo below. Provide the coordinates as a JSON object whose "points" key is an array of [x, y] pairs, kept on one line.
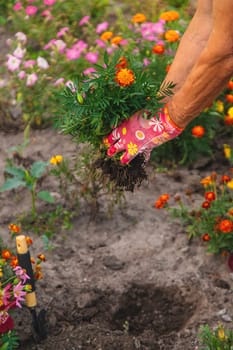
{"points": [[139, 18], [106, 142], [230, 112], [125, 77], [230, 184], [227, 151], [105, 36], [132, 148], [172, 35], [116, 40], [219, 106], [207, 181], [56, 159], [221, 333], [169, 16]]}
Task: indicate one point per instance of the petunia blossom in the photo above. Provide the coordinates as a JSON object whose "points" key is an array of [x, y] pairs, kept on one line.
{"points": [[29, 63], [31, 79], [84, 20], [62, 31], [31, 10], [42, 63], [19, 52], [20, 36], [89, 71], [72, 54], [49, 2], [92, 57], [21, 74], [101, 27], [13, 63], [17, 6], [59, 82]]}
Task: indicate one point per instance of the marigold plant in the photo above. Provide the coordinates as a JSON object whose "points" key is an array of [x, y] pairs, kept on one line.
{"points": [[212, 219]]}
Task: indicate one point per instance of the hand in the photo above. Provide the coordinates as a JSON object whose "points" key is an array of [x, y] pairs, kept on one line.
{"points": [[140, 135]]}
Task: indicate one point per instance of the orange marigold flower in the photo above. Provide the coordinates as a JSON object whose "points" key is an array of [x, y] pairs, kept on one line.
{"points": [[228, 120], [6, 254], [14, 261], [29, 240], [105, 36], [158, 49], [125, 77], [172, 35], [41, 257], [168, 67], [226, 226], [206, 237], [139, 18], [198, 131], [122, 63], [230, 84], [14, 228], [164, 197], [116, 40], [210, 196], [225, 178], [38, 275], [206, 204], [229, 98], [207, 181], [230, 212], [169, 16], [159, 204], [32, 260]]}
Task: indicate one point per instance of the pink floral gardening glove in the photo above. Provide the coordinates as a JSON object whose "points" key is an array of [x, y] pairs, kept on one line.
{"points": [[139, 135]]}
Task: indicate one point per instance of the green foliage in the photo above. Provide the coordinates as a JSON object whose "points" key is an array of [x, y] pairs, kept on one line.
{"points": [[9, 341], [217, 339], [95, 105]]}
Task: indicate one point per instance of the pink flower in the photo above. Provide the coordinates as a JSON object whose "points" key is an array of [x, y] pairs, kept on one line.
{"points": [[92, 57], [6, 294], [29, 63], [42, 63], [49, 2], [59, 81], [62, 31], [60, 45], [13, 63], [102, 27], [72, 54], [31, 10], [84, 20], [100, 43], [80, 45], [88, 71], [47, 14], [70, 85], [31, 79], [21, 75], [21, 37], [146, 62], [19, 52], [21, 274], [19, 294], [17, 6]]}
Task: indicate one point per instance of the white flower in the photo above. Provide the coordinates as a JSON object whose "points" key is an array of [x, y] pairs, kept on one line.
{"points": [[31, 79], [42, 63], [13, 63], [19, 52], [21, 37]]}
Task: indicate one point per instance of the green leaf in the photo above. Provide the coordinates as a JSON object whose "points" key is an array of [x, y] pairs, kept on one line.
{"points": [[38, 169], [10, 184], [45, 196], [17, 172]]}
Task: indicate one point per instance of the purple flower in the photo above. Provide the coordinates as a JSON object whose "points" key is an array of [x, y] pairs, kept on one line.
{"points": [[101, 27], [84, 20], [92, 57]]}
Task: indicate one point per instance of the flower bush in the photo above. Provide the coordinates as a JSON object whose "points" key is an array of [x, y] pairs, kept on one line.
{"points": [[14, 285], [217, 338], [212, 219]]}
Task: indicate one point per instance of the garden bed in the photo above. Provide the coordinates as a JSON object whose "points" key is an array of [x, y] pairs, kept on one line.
{"points": [[127, 281]]}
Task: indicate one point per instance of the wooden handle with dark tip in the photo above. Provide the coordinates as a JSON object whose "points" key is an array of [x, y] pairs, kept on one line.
{"points": [[24, 259]]}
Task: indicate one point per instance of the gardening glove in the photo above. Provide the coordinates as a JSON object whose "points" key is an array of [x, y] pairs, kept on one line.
{"points": [[139, 135]]}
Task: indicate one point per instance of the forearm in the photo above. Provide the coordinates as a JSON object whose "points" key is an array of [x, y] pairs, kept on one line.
{"points": [[212, 70], [191, 44]]}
